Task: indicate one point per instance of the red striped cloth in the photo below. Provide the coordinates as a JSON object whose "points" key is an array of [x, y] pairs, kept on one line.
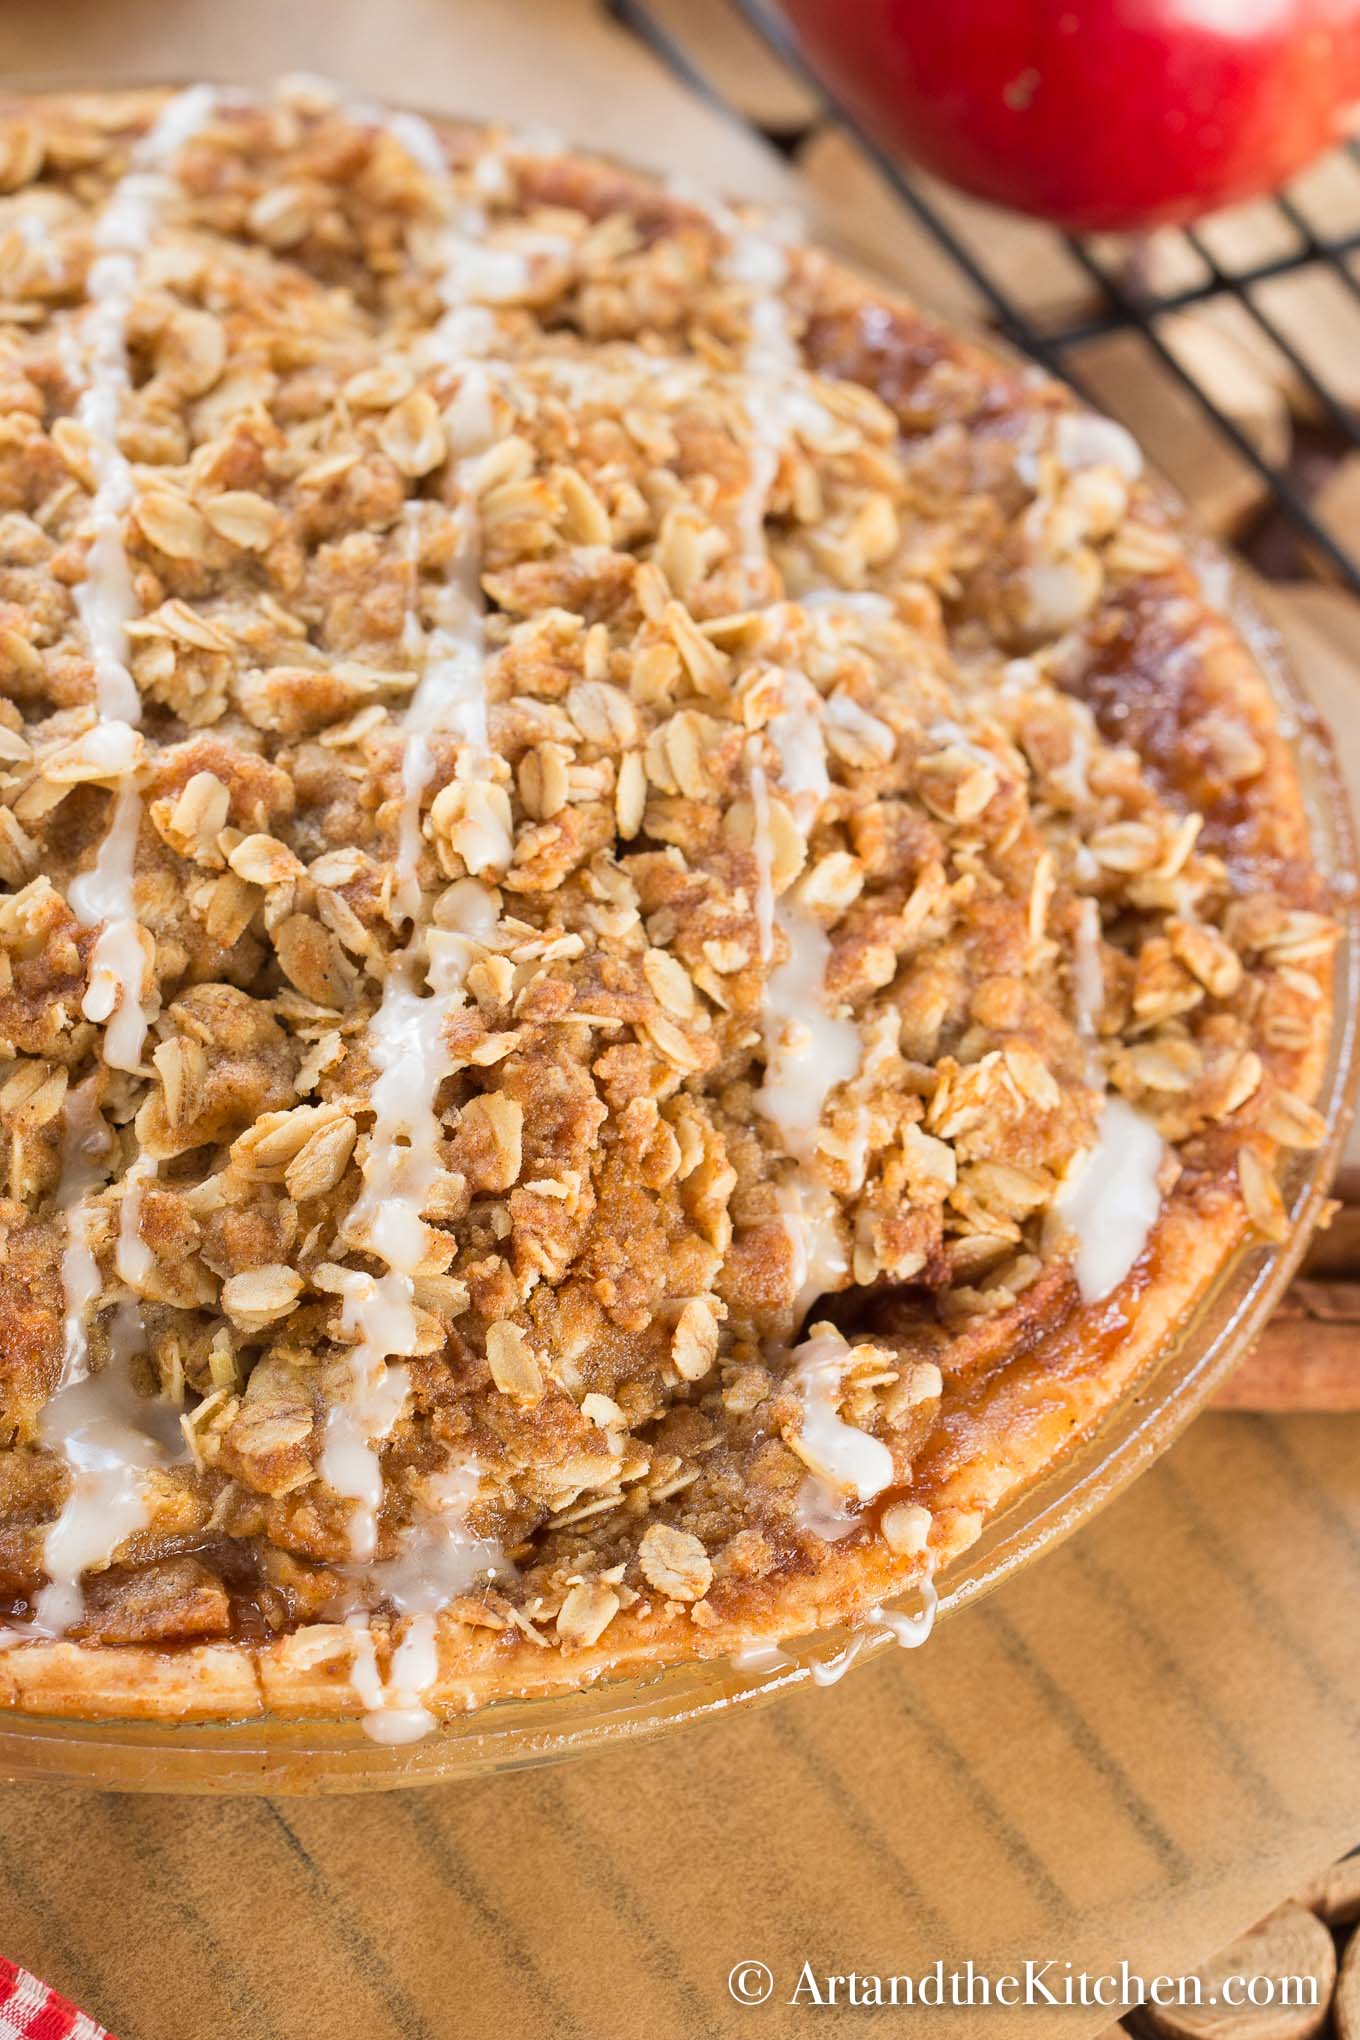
{"points": [[30, 2011]]}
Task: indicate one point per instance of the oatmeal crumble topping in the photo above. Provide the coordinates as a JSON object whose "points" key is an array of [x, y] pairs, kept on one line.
{"points": [[641, 899]]}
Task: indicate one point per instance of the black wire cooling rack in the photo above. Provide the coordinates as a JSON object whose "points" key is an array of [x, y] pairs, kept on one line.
{"points": [[1122, 300]]}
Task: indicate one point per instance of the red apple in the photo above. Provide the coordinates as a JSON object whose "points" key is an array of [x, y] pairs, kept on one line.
{"points": [[1094, 113]]}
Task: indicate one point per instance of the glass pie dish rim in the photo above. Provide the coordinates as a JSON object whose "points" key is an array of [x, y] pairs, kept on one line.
{"points": [[277, 1755]]}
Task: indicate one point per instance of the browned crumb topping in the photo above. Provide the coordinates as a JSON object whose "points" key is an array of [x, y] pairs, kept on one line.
{"points": [[1045, 757]]}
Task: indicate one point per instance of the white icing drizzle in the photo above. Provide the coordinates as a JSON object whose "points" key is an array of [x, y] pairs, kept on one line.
{"points": [[110, 1437], [103, 1429], [118, 960], [1088, 976], [442, 1558], [396, 1712], [770, 356], [845, 1462], [810, 1216], [423, 987], [86, 1159], [1111, 1199], [776, 394], [349, 1461], [104, 598], [106, 1433], [796, 733], [910, 1631], [830, 1671], [407, 1040], [133, 1259], [808, 1051], [378, 1313], [408, 1035], [778, 401], [450, 699], [441, 1561], [473, 276], [823, 1513], [760, 1657]]}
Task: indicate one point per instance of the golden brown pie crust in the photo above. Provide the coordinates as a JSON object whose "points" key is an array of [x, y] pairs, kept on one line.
{"points": [[611, 1195]]}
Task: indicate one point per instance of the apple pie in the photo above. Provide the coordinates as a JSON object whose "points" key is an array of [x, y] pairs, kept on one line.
{"points": [[653, 935]]}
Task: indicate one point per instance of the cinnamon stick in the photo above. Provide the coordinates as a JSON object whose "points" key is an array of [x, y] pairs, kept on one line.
{"points": [[1308, 1358], [1346, 2005], [1289, 1943]]}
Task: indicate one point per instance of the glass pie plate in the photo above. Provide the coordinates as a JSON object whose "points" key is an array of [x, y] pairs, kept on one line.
{"points": [[300, 1756], [275, 1755]]}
